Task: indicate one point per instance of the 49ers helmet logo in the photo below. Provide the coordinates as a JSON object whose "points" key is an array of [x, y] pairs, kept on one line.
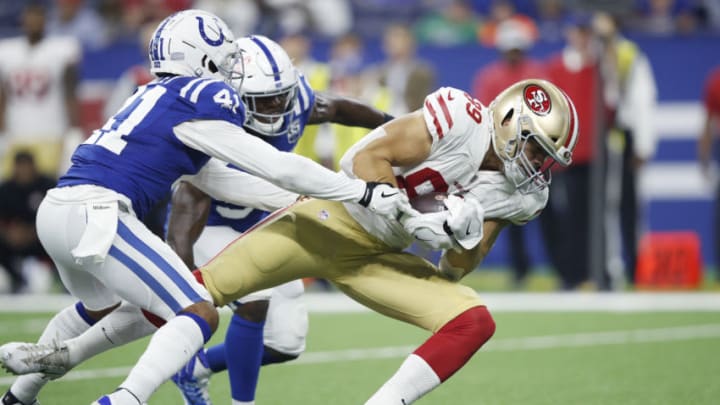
{"points": [[537, 99]]}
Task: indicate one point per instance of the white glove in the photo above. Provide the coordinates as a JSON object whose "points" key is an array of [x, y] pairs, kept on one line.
{"points": [[431, 230], [465, 220], [386, 200]]}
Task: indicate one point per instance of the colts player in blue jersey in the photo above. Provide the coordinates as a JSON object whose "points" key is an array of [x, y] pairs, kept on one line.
{"points": [[269, 326], [90, 224]]}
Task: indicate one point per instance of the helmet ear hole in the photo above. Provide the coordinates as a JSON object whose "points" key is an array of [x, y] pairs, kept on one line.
{"points": [[508, 117], [212, 67]]}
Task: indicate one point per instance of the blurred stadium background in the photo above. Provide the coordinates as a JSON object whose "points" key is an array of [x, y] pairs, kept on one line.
{"points": [[626, 346]]}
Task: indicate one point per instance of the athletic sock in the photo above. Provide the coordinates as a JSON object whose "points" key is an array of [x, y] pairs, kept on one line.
{"points": [[124, 325], [170, 348], [438, 358], [68, 323], [216, 358], [243, 354]]}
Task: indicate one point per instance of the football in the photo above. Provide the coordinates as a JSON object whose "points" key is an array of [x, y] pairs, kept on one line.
{"points": [[431, 202]]}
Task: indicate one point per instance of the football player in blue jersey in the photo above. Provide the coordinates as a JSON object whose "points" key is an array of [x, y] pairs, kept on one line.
{"points": [[90, 224], [268, 326]]}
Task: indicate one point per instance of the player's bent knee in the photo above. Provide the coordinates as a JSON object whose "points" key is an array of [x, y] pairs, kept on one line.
{"points": [[96, 315], [206, 311], [474, 327]]}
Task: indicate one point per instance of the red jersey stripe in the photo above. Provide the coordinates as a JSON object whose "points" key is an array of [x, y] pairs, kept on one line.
{"points": [[445, 111], [438, 128]]}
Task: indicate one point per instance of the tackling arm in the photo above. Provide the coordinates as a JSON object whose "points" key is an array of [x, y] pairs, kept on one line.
{"points": [[345, 111], [188, 216]]}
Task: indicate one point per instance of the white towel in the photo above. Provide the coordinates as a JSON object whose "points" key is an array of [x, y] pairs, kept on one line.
{"points": [[99, 234]]}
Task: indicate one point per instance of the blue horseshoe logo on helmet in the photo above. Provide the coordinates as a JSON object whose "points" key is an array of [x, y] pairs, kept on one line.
{"points": [[211, 42]]}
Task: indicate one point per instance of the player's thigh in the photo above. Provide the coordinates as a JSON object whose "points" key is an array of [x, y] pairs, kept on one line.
{"points": [[265, 257], [286, 326], [59, 228], [212, 241], [145, 271], [408, 288]]}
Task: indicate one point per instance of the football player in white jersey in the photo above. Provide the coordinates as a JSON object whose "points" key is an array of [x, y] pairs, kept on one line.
{"points": [[91, 223], [268, 326], [493, 162]]}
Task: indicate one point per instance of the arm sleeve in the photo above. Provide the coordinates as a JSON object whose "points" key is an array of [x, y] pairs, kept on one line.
{"points": [[230, 143], [233, 186]]}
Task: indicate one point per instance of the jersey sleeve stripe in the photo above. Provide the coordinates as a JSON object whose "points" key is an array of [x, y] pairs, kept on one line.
{"points": [[446, 112], [184, 91], [438, 128], [196, 93]]}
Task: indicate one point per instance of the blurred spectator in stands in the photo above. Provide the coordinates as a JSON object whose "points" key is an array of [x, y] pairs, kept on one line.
{"points": [[708, 151], [502, 10], [578, 188], [21, 254], [38, 102], [665, 17], [408, 78], [512, 39], [78, 19], [315, 137], [551, 20], [328, 18], [631, 96], [449, 23]]}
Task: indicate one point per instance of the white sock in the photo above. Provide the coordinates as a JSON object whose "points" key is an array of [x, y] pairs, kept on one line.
{"points": [[413, 379], [66, 324], [124, 325], [236, 402], [169, 349]]}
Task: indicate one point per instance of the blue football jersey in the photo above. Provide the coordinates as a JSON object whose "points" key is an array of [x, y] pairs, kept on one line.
{"points": [[136, 152], [242, 218]]}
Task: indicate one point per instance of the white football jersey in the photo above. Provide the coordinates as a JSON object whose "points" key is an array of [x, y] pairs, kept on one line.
{"points": [[500, 198], [32, 76], [460, 129]]}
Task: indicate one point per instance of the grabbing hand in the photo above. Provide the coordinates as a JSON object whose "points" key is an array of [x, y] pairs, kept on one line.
{"points": [[386, 200], [465, 220]]}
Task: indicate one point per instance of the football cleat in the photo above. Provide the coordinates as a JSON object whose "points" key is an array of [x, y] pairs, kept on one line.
{"points": [[10, 399], [193, 380], [26, 358]]}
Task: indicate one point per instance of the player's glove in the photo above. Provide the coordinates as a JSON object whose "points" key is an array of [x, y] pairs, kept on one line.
{"points": [[460, 226], [386, 200], [465, 220], [431, 230]]}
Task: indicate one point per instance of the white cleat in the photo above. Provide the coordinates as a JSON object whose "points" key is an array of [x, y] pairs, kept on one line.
{"points": [[26, 358]]}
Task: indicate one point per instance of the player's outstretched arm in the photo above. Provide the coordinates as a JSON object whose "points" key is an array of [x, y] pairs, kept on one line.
{"points": [[346, 111], [188, 215], [230, 143]]}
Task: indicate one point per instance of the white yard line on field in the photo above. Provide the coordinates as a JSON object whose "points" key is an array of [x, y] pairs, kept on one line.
{"points": [[589, 339], [318, 302]]}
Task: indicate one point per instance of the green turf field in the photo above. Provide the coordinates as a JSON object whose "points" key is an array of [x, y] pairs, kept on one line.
{"points": [[534, 358]]}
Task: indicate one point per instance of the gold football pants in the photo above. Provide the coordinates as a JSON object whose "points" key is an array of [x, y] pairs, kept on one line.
{"points": [[317, 238]]}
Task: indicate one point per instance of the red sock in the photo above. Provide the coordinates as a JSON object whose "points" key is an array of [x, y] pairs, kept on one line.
{"points": [[453, 345]]}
